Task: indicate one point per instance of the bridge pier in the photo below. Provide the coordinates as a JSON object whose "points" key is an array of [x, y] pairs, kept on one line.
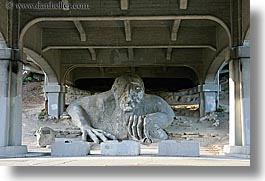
{"points": [[208, 95], [239, 102], [4, 111], [56, 99], [10, 103], [246, 99]]}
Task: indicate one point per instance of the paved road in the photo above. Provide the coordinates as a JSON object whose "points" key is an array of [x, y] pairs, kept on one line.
{"points": [[95, 160]]}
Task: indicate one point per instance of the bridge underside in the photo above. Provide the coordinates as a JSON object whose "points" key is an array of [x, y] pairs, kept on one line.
{"points": [[181, 40]]}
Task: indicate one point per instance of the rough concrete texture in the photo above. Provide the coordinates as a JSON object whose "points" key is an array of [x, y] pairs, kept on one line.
{"points": [[124, 148], [45, 136], [75, 93], [13, 150], [3, 120], [174, 148], [240, 150], [70, 148], [209, 87], [210, 101], [56, 96], [208, 95], [124, 112]]}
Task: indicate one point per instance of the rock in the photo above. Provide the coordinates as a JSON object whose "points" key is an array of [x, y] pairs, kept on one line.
{"points": [[65, 115], [185, 124], [68, 133], [45, 136], [216, 123], [211, 117]]}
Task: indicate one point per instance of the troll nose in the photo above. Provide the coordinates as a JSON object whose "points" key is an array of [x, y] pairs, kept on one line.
{"points": [[127, 89], [126, 93], [128, 99]]}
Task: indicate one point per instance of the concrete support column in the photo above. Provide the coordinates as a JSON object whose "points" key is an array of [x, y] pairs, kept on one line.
{"points": [[15, 90], [235, 127], [5, 54], [56, 99], [239, 102], [217, 81], [11, 90], [11, 103], [208, 94], [245, 62]]}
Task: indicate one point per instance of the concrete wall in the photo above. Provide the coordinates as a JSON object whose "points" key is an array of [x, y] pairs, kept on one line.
{"points": [[33, 39], [54, 60], [246, 17]]}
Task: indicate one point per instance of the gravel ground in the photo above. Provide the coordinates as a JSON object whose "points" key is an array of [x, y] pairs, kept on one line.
{"points": [[185, 127]]}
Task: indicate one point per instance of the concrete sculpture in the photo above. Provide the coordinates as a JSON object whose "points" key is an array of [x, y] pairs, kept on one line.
{"points": [[124, 112]]}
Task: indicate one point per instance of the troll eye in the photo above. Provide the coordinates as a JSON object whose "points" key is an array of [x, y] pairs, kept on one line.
{"points": [[138, 88]]}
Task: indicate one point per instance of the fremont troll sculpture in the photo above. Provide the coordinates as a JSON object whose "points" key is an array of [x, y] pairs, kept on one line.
{"points": [[124, 112]]}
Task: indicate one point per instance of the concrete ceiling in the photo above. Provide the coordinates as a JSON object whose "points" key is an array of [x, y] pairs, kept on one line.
{"points": [[185, 36]]}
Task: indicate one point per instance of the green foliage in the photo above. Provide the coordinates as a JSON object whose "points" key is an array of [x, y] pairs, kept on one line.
{"points": [[220, 109], [27, 79], [226, 89], [42, 114]]}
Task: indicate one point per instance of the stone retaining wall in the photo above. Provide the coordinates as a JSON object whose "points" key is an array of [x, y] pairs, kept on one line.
{"points": [[75, 93], [185, 96]]}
